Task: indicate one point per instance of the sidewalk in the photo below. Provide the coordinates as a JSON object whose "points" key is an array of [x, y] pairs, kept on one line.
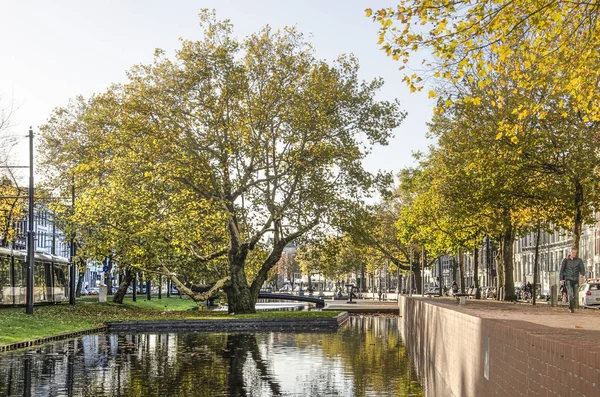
{"points": [[581, 328]]}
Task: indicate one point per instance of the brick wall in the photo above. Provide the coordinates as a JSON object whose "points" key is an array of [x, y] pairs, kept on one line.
{"points": [[461, 355]]}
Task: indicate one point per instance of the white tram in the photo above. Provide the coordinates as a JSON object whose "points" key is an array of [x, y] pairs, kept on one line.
{"points": [[50, 278]]}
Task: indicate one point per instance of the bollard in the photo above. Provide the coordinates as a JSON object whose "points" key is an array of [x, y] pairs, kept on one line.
{"points": [[102, 293], [553, 295]]}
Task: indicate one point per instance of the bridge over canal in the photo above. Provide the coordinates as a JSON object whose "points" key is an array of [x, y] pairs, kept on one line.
{"points": [[320, 303]]}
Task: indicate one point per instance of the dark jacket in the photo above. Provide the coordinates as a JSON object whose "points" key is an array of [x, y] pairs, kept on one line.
{"points": [[570, 269]]}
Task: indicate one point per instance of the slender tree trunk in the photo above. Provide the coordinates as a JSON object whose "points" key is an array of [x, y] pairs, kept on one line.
{"points": [[454, 268], [417, 276], [536, 265], [578, 218], [82, 269], [507, 259], [440, 276], [362, 278], [109, 276], [499, 267], [476, 272], [134, 276], [120, 294], [423, 264], [461, 270]]}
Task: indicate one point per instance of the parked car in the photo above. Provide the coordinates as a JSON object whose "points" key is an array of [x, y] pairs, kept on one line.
{"points": [[589, 293]]}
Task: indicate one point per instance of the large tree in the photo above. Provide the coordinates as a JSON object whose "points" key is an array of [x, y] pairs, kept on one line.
{"points": [[257, 131]]}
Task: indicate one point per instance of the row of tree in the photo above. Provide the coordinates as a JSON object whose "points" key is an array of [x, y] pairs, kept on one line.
{"points": [[516, 122]]}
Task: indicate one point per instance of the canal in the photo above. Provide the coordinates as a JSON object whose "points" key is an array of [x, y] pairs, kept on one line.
{"points": [[364, 358]]}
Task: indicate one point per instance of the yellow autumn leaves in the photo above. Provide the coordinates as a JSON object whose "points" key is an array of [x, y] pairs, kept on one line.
{"points": [[527, 46]]}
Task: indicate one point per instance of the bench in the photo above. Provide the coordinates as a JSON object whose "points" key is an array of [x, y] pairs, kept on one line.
{"points": [[462, 297]]}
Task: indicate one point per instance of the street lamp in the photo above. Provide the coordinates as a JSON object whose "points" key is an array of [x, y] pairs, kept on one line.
{"points": [[30, 233]]}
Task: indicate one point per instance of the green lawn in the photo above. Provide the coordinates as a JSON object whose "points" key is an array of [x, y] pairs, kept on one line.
{"points": [[16, 326]]}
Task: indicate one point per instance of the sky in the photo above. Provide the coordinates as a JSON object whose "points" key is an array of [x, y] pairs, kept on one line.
{"points": [[55, 50]]}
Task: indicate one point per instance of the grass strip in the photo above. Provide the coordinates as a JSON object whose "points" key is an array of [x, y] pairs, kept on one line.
{"points": [[46, 321]]}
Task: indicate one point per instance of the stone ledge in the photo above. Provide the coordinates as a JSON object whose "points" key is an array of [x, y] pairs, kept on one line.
{"points": [[235, 325], [41, 341]]}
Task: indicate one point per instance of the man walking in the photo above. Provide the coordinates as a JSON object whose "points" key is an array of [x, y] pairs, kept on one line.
{"points": [[570, 269]]}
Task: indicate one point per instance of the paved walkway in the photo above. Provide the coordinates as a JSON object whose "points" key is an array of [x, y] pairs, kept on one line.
{"points": [[542, 314], [581, 328]]}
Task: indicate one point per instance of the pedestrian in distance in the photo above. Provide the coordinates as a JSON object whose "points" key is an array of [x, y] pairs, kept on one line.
{"points": [[454, 288], [570, 269]]}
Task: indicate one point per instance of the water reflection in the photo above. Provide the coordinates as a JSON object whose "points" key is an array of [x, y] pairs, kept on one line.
{"points": [[365, 358]]}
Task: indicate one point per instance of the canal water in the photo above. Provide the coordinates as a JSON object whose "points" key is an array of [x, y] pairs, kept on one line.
{"points": [[365, 358]]}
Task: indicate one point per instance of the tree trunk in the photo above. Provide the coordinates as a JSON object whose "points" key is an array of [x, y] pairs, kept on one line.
{"points": [[578, 218], [362, 278], [109, 276], [499, 267], [476, 272], [82, 268], [536, 265], [454, 268], [134, 286], [417, 277], [240, 299], [120, 295], [507, 261], [461, 270], [398, 286], [440, 276]]}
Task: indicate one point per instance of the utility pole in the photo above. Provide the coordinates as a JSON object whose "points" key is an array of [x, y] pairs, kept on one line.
{"points": [[73, 268], [53, 248], [30, 233]]}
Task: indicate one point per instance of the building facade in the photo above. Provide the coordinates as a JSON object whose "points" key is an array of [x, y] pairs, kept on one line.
{"points": [[49, 238]]}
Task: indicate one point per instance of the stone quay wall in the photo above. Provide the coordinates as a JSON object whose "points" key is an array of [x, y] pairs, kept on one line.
{"points": [[460, 354]]}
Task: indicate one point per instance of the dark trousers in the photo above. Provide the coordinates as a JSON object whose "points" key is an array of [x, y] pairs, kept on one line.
{"points": [[572, 288]]}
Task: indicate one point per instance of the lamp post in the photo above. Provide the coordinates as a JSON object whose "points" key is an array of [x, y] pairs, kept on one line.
{"points": [[73, 267], [30, 233]]}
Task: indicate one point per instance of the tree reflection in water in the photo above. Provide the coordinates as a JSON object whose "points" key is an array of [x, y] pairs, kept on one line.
{"points": [[366, 358]]}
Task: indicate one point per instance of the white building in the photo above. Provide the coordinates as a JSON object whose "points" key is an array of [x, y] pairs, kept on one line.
{"points": [[48, 237]]}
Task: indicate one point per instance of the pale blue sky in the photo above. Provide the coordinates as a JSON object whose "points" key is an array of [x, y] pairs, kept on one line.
{"points": [[54, 50]]}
